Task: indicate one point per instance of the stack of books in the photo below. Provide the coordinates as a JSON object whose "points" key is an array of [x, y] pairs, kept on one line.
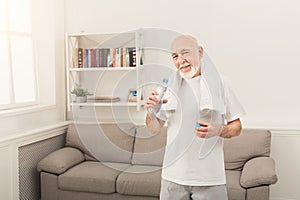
{"points": [[104, 57]]}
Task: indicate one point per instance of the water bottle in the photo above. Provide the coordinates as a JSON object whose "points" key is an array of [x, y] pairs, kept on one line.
{"points": [[161, 90]]}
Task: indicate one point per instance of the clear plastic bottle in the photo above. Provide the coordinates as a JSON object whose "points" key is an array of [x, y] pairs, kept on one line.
{"points": [[161, 90]]}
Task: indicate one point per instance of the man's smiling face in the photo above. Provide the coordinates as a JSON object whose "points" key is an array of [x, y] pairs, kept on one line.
{"points": [[186, 54]]}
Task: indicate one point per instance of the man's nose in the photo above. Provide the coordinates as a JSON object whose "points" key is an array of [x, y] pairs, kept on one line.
{"points": [[181, 59]]}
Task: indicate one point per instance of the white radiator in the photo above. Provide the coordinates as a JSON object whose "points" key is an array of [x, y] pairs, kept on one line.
{"points": [[29, 155]]}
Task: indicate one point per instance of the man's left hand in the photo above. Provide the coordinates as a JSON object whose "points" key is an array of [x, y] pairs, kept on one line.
{"points": [[207, 130]]}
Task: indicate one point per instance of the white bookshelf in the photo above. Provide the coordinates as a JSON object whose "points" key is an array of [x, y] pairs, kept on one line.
{"points": [[104, 80]]}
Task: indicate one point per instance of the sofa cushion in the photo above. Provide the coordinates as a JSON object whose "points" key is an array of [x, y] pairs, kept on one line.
{"points": [[91, 176], [103, 142], [61, 160], [258, 171], [149, 148], [249, 144], [140, 180], [234, 190]]}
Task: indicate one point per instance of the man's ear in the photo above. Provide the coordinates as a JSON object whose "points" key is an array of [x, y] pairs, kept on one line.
{"points": [[200, 49]]}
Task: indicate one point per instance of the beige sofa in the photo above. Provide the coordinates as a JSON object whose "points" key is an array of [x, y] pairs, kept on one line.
{"points": [[131, 160]]}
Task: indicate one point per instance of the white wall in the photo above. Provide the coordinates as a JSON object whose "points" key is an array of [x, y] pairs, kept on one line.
{"points": [[257, 43], [254, 43], [285, 151]]}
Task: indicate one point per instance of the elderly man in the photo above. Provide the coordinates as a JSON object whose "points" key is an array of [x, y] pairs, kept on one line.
{"points": [[200, 110]]}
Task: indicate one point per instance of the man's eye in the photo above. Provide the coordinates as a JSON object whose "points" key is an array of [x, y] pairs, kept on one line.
{"points": [[174, 57]]}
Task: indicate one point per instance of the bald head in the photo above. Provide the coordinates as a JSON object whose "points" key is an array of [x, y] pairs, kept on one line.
{"points": [[184, 41]]}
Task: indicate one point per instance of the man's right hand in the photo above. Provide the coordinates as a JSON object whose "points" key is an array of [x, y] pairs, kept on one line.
{"points": [[154, 124], [152, 100]]}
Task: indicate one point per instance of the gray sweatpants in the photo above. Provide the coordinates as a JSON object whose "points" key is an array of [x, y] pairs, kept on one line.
{"points": [[174, 191]]}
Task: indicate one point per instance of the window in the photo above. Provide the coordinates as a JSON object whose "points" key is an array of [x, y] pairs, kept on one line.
{"points": [[17, 70]]}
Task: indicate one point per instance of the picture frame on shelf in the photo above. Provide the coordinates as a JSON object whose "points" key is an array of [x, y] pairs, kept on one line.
{"points": [[132, 95]]}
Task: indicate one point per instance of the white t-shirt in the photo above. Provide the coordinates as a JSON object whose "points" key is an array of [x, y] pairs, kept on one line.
{"points": [[190, 160]]}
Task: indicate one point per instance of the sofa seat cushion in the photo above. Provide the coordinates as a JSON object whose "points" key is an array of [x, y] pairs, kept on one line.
{"points": [[234, 189], [91, 176], [140, 180]]}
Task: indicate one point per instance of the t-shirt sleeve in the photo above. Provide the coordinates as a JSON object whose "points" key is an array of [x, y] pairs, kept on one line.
{"points": [[234, 109]]}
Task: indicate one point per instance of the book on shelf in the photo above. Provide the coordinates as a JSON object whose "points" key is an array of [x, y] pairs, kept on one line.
{"points": [[79, 57], [112, 62], [97, 58], [104, 57], [93, 58], [123, 57], [104, 99], [75, 59], [132, 56]]}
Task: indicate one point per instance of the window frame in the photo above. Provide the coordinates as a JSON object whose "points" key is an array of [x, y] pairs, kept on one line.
{"points": [[8, 34]]}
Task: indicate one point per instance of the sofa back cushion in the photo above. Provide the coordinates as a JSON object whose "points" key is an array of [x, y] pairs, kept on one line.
{"points": [[149, 148], [249, 144], [103, 142]]}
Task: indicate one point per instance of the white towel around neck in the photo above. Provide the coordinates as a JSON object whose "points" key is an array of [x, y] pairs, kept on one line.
{"points": [[211, 88]]}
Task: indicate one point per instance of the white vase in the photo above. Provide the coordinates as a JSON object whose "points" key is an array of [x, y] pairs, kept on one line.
{"points": [[80, 99]]}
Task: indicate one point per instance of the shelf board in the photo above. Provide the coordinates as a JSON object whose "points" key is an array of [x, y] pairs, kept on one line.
{"points": [[104, 68], [120, 103]]}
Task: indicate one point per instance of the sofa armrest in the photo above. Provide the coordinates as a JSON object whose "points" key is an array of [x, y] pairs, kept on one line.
{"points": [[258, 171], [61, 160]]}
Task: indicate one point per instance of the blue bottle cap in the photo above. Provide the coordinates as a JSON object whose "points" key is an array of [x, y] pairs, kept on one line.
{"points": [[198, 126]]}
